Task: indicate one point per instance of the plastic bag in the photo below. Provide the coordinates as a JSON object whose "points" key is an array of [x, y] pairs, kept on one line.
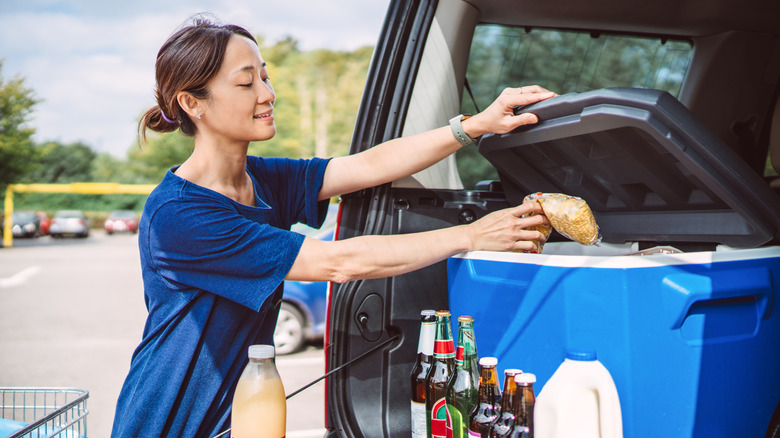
{"points": [[569, 215]]}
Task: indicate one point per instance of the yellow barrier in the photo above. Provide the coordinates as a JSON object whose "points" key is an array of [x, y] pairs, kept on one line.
{"points": [[81, 188]]}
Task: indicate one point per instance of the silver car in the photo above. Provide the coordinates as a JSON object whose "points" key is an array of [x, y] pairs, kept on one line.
{"points": [[69, 223]]}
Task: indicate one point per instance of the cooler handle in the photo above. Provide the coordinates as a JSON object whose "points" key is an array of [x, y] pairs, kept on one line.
{"points": [[683, 290]]}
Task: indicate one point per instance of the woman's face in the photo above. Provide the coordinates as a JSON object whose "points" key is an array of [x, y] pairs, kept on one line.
{"points": [[240, 106]]}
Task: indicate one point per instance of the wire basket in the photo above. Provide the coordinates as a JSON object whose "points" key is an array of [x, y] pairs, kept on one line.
{"points": [[43, 412]]}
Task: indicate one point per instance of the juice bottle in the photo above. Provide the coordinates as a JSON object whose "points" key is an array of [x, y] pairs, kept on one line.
{"points": [[259, 403]]}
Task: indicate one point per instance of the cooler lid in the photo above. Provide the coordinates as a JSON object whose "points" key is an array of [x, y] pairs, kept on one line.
{"points": [[648, 169]]}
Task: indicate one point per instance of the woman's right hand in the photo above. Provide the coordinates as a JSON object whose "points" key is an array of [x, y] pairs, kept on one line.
{"points": [[507, 230]]}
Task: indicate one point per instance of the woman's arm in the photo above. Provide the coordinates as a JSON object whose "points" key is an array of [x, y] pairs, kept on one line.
{"points": [[405, 156], [383, 256]]}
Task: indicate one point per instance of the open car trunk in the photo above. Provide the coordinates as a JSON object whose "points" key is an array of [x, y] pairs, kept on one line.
{"points": [[653, 174]]}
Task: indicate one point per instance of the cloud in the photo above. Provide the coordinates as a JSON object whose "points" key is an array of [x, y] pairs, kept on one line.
{"points": [[92, 62]]}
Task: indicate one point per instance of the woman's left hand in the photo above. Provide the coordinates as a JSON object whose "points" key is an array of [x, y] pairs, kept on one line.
{"points": [[500, 118]]}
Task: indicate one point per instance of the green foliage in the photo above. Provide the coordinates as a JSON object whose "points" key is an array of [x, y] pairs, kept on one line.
{"points": [[61, 163], [16, 146], [147, 163]]}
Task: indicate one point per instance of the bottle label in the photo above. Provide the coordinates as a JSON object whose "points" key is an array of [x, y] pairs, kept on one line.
{"points": [[443, 349], [441, 422], [459, 356], [458, 426], [427, 334], [419, 428]]}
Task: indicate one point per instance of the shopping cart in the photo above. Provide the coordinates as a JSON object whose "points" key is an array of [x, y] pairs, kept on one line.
{"points": [[43, 412]]}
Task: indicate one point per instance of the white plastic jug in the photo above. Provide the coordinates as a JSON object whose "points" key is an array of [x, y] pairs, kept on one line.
{"points": [[580, 400]]}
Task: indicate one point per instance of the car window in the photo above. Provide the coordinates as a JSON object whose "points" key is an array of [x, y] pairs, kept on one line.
{"points": [[562, 61]]}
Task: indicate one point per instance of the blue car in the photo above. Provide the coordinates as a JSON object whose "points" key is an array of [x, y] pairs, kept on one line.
{"points": [[302, 316]]}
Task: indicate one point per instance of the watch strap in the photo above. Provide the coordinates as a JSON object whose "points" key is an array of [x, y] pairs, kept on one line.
{"points": [[457, 130]]}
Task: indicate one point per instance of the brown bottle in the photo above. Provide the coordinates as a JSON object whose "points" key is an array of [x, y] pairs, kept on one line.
{"points": [[442, 368], [506, 420], [526, 399], [489, 399], [420, 371]]}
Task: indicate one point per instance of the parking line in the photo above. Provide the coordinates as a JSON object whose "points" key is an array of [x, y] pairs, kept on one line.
{"points": [[20, 277]]}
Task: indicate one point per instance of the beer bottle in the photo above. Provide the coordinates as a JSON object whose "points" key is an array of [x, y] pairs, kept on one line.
{"points": [[438, 376], [526, 399], [420, 372], [488, 401], [464, 383], [506, 420]]}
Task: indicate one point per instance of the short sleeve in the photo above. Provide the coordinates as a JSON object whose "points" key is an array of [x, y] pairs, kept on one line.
{"points": [[211, 247], [292, 188]]}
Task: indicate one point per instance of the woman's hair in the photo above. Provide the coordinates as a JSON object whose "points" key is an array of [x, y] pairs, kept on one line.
{"points": [[187, 62]]}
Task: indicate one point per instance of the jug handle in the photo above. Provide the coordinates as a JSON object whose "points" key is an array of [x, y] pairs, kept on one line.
{"points": [[609, 402]]}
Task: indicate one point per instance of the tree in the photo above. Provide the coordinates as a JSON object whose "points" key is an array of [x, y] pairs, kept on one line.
{"points": [[55, 162], [16, 145], [147, 163]]}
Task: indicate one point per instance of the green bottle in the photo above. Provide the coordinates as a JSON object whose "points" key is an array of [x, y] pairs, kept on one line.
{"points": [[441, 370], [463, 386]]}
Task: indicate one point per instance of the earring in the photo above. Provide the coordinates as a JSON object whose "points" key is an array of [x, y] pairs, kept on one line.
{"points": [[198, 116]]}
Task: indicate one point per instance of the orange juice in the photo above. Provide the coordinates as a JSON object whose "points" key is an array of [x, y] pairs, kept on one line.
{"points": [[259, 403]]}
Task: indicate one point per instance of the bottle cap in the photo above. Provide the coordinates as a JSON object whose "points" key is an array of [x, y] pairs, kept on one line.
{"points": [[442, 313], [428, 313], [581, 355], [512, 372], [488, 362], [525, 379], [261, 351], [466, 318]]}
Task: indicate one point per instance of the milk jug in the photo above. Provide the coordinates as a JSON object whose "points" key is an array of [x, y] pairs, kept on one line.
{"points": [[259, 403], [580, 400]]}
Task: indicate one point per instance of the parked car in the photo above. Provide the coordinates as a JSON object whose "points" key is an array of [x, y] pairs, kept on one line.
{"points": [[26, 224], [45, 221], [69, 223], [302, 315], [692, 179], [121, 221]]}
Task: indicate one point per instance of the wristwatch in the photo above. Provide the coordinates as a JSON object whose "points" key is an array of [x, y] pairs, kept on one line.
{"points": [[458, 132]]}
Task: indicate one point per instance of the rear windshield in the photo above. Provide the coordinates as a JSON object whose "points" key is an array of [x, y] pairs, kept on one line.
{"points": [[564, 62]]}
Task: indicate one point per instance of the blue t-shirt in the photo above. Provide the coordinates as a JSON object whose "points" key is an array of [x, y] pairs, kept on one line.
{"points": [[213, 271]]}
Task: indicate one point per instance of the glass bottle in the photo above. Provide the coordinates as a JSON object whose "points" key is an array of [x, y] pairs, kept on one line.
{"points": [[526, 399], [442, 368], [420, 371], [489, 400], [506, 420], [463, 387], [259, 404]]}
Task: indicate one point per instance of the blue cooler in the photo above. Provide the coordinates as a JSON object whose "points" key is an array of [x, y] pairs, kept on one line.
{"points": [[678, 300]]}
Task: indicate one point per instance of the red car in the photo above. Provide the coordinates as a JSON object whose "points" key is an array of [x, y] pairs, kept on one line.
{"points": [[121, 221]]}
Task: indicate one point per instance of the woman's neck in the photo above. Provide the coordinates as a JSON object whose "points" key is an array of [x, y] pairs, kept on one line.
{"points": [[220, 169]]}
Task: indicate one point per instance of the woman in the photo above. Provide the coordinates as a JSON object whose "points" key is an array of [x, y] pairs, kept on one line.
{"points": [[214, 236]]}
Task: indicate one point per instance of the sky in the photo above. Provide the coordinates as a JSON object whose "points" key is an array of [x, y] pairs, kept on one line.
{"points": [[91, 62]]}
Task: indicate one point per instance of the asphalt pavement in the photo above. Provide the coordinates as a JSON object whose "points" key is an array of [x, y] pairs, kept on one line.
{"points": [[72, 312]]}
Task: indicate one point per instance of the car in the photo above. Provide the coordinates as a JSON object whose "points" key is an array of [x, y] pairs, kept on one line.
{"points": [[715, 63], [44, 221], [121, 221], [26, 224], [69, 223], [302, 315]]}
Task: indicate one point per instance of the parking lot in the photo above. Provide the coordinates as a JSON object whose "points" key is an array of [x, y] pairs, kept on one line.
{"points": [[72, 312]]}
